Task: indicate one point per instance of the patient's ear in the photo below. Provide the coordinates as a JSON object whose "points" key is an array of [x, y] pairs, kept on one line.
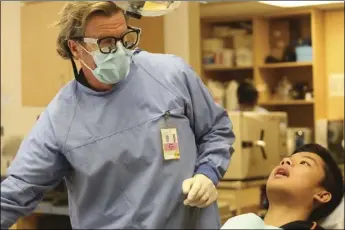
{"points": [[323, 197]]}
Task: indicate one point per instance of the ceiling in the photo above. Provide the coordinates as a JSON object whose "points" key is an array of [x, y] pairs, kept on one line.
{"points": [[240, 8]]}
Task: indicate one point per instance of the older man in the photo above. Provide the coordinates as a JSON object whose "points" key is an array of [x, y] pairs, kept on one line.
{"points": [[137, 137]]}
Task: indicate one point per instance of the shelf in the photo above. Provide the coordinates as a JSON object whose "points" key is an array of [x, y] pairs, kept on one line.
{"points": [[286, 65], [224, 68], [289, 102]]}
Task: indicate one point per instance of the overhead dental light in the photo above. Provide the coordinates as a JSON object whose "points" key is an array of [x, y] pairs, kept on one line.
{"points": [[137, 9], [298, 3]]}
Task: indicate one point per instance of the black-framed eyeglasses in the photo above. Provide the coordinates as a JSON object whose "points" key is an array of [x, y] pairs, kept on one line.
{"points": [[107, 45]]}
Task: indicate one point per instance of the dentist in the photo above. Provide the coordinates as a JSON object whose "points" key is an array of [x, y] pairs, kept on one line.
{"points": [[136, 136]]}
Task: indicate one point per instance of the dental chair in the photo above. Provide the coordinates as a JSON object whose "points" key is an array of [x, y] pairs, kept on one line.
{"points": [[336, 219]]}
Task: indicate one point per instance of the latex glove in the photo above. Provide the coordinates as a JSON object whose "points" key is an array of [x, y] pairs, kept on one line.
{"points": [[200, 191]]}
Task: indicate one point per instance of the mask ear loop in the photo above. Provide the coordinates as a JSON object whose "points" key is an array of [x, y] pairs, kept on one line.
{"points": [[80, 77], [82, 60]]}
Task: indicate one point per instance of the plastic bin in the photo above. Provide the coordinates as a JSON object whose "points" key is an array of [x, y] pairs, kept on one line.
{"points": [[304, 54]]}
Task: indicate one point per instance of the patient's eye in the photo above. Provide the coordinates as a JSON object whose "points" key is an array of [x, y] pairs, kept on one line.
{"points": [[304, 163]]}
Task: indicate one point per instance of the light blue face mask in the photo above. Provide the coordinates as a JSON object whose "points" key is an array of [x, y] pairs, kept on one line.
{"points": [[111, 68]]}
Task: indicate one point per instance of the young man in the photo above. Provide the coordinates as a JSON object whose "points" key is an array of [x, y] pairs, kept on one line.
{"points": [[247, 96], [304, 189]]}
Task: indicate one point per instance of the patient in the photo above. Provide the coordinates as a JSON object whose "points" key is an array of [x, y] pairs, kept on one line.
{"points": [[302, 190]]}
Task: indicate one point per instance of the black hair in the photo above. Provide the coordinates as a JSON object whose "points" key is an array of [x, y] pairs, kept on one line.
{"points": [[247, 94], [332, 182]]}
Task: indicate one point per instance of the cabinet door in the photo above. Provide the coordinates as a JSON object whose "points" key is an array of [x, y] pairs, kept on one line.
{"points": [[43, 71]]}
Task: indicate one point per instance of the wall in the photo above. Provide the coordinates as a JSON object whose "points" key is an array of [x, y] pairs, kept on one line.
{"points": [[16, 119], [182, 34], [176, 34]]}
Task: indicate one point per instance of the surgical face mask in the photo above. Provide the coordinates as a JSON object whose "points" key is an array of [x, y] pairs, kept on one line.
{"points": [[113, 67]]}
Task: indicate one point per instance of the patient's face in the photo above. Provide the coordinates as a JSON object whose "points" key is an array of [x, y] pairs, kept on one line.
{"points": [[299, 175]]}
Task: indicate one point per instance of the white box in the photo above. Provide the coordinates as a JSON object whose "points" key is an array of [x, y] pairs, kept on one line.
{"points": [[212, 45], [221, 31], [217, 90], [243, 41], [244, 57], [228, 57]]}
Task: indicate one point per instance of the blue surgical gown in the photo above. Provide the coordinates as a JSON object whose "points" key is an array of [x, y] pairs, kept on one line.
{"points": [[107, 147]]}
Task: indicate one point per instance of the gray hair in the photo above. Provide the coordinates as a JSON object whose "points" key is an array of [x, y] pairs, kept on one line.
{"points": [[74, 17]]}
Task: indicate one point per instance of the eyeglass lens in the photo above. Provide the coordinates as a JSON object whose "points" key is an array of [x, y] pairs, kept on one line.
{"points": [[108, 45]]}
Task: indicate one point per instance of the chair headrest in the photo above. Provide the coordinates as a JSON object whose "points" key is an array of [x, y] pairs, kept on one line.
{"points": [[336, 219]]}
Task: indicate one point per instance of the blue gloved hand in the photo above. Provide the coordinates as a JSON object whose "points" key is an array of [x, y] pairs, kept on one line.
{"points": [[200, 191]]}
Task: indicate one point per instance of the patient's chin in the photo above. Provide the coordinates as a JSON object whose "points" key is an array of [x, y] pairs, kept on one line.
{"points": [[278, 183]]}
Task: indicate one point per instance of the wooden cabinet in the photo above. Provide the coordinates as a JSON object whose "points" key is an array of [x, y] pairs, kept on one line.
{"points": [[324, 28], [225, 67], [288, 27], [43, 71]]}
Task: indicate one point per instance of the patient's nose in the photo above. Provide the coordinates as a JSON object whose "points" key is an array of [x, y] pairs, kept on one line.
{"points": [[286, 161]]}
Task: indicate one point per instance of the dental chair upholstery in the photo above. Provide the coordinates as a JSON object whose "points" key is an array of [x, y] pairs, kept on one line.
{"points": [[336, 219]]}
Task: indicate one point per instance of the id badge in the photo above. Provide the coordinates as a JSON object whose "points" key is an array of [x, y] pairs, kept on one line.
{"points": [[171, 150]]}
